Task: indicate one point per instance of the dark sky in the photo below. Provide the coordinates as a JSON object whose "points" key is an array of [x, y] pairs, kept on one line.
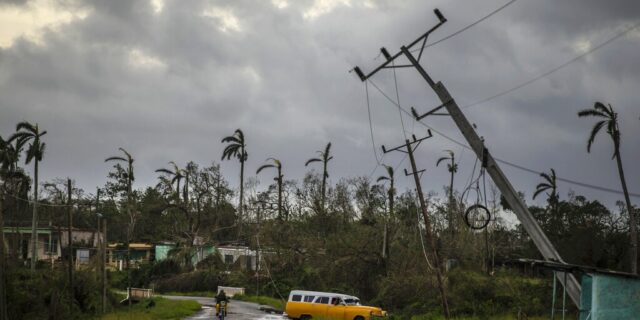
{"points": [[168, 79]]}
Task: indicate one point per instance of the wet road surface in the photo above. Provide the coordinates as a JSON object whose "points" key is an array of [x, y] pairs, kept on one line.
{"points": [[238, 310]]}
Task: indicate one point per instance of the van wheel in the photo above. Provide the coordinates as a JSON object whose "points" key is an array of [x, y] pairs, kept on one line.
{"points": [[306, 317], [358, 318]]}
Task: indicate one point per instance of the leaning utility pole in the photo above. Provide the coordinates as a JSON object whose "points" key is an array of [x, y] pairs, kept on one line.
{"points": [[532, 227], [423, 206], [69, 245]]}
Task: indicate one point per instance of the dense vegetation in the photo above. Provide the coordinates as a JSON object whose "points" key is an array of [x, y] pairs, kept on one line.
{"points": [[357, 235]]}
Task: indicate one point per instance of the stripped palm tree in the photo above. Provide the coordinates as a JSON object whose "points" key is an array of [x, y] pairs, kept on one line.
{"points": [[549, 184], [278, 166], [128, 175], [391, 194], [609, 119], [27, 132], [237, 148], [325, 157], [175, 175], [452, 167]]}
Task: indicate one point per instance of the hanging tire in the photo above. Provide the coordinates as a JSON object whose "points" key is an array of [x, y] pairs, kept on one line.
{"points": [[477, 217]]}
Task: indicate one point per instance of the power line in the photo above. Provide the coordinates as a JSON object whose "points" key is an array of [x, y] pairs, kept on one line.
{"points": [[505, 162], [467, 27], [373, 143], [553, 70]]}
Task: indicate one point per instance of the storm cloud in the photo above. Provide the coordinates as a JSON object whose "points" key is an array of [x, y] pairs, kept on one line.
{"points": [[168, 79]]}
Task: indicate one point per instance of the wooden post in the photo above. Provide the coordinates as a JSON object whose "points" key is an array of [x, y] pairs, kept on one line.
{"points": [[3, 291], [430, 238], [69, 237], [104, 266]]}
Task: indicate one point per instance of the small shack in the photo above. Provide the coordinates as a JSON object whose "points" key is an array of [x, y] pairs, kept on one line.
{"points": [[605, 294]]}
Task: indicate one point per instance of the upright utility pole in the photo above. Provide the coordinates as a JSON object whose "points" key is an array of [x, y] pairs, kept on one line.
{"points": [[69, 245], [3, 289], [102, 244], [104, 266], [427, 222], [532, 227]]}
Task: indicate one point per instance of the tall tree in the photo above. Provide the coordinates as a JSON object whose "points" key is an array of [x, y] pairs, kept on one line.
{"points": [[609, 119], [325, 157], [390, 194], [452, 167], [129, 177], [237, 148], [549, 184], [27, 132], [278, 166]]}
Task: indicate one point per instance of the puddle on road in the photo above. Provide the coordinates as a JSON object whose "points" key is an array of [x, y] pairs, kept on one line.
{"points": [[207, 313]]}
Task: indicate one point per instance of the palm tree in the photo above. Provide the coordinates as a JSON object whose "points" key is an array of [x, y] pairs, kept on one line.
{"points": [[237, 148], [325, 157], [278, 165], [128, 159], [549, 185], [609, 118], [452, 167], [9, 155], [175, 176], [389, 177], [27, 132]]}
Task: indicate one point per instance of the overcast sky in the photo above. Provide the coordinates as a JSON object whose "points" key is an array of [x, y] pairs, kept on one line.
{"points": [[167, 79]]}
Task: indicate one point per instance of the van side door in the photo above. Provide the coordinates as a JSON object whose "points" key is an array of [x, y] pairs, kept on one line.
{"points": [[320, 306], [336, 309]]}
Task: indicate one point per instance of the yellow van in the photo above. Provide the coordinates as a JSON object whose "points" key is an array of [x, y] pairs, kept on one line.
{"points": [[305, 305]]}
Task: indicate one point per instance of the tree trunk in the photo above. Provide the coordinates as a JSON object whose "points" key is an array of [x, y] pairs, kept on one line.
{"points": [[280, 194], [633, 228], [130, 233], [241, 209], [324, 184], [452, 223], [34, 223]]}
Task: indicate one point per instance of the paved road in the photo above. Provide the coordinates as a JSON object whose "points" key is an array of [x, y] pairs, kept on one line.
{"points": [[238, 310]]}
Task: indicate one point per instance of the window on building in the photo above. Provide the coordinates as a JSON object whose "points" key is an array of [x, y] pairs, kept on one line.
{"points": [[228, 259], [249, 262], [50, 247]]}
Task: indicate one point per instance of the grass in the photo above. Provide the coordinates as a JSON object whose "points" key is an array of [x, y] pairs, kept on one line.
{"points": [[268, 301], [163, 309]]}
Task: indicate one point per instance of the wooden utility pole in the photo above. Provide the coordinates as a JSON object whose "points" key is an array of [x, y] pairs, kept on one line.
{"points": [[102, 245], [104, 265], [70, 239], [529, 223], [3, 289], [425, 215]]}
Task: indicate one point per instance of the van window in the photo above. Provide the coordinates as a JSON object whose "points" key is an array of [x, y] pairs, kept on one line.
{"points": [[308, 298], [296, 297], [335, 301], [323, 300]]}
